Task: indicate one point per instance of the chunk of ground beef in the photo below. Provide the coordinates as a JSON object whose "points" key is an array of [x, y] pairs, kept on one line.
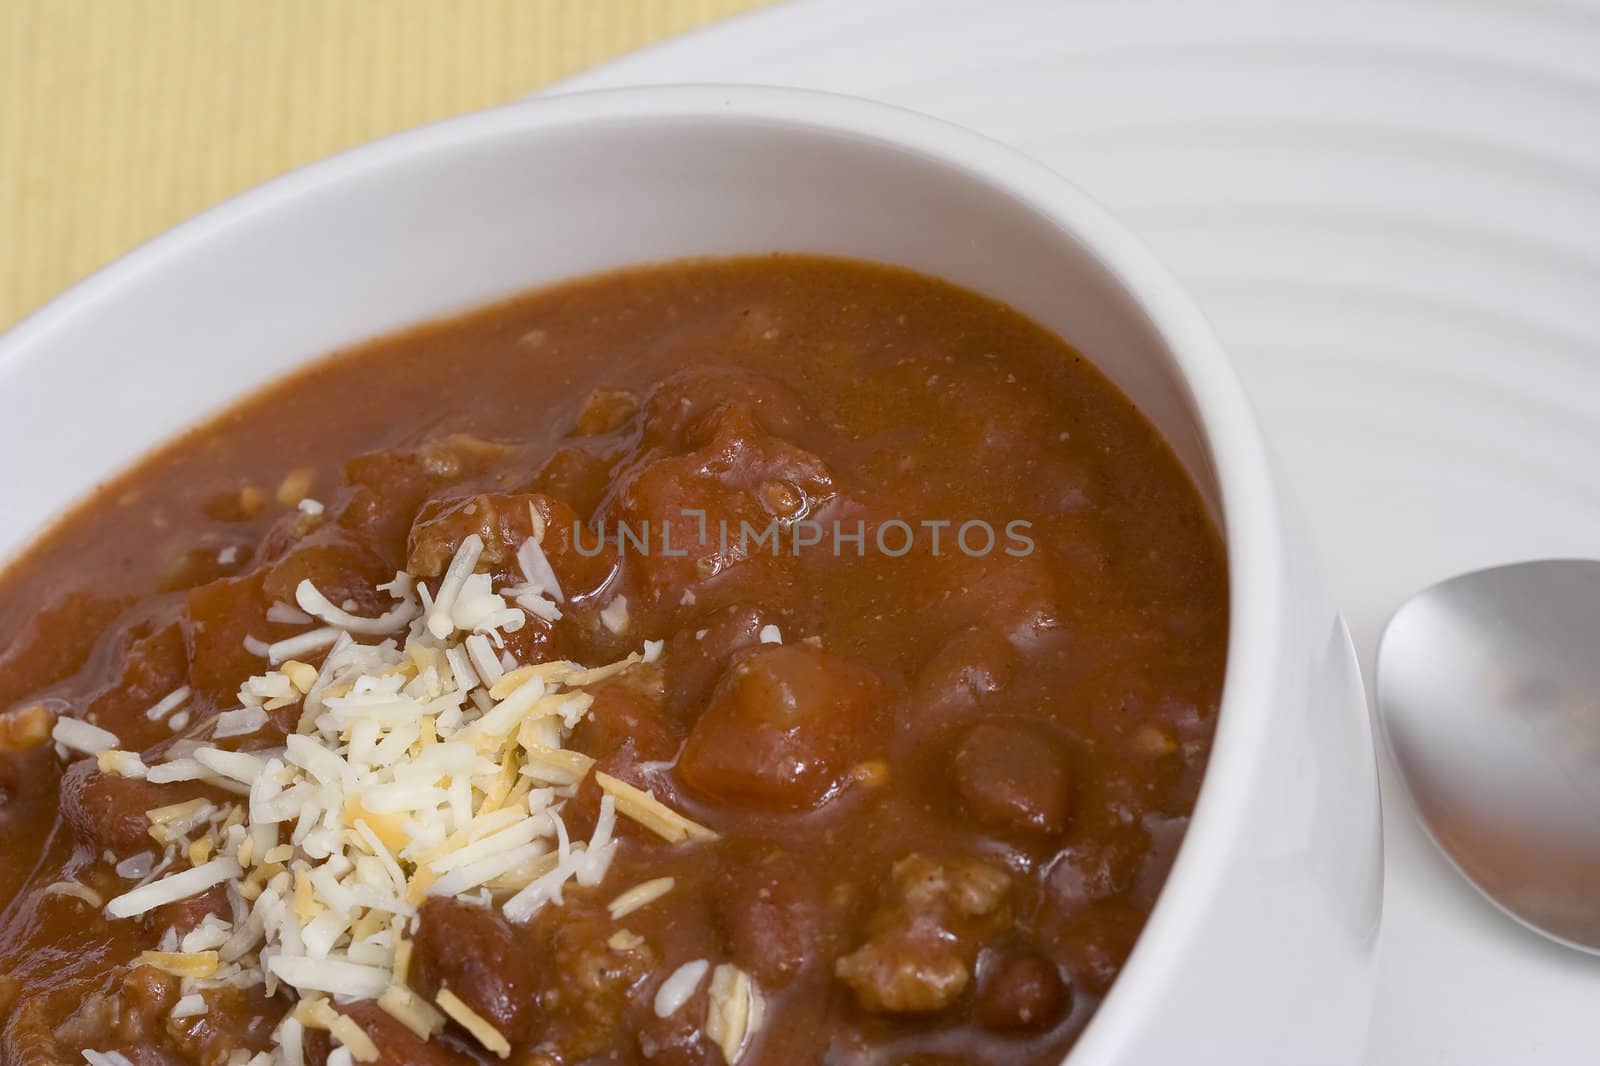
{"points": [[925, 936], [587, 985]]}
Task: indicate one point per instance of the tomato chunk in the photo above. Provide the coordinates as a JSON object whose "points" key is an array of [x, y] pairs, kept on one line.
{"points": [[785, 726]]}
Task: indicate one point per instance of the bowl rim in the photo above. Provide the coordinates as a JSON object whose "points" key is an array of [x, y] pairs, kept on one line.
{"points": [[1249, 511]]}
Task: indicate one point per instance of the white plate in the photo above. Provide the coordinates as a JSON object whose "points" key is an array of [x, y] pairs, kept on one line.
{"points": [[1391, 212]]}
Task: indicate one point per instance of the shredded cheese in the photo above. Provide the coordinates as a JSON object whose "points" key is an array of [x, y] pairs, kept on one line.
{"points": [[555, 766], [319, 606], [181, 964], [351, 1036], [173, 888], [650, 812], [239, 723], [639, 895], [422, 762], [301, 675], [474, 1023], [287, 614], [180, 812], [411, 1011], [329, 975], [734, 1012], [188, 1007], [75, 734], [441, 622], [615, 615], [169, 703], [319, 1014], [106, 1058], [74, 890], [677, 989], [121, 764], [624, 940]]}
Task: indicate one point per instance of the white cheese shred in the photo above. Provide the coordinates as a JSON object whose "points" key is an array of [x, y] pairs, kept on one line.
{"points": [[614, 616], [168, 703], [75, 734], [640, 895], [74, 890], [677, 989], [440, 621], [106, 1058], [239, 723], [319, 606], [188, 1006], [171, 889]]}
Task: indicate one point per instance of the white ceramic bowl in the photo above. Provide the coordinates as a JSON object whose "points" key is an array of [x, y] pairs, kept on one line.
{"points": [[1260, 949]]}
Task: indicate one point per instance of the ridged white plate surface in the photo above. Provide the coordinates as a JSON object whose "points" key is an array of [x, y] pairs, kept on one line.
{"points": [[1391, 213]]}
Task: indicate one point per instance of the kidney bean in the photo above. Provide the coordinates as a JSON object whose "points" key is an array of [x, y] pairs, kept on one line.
{"points": [[960, 679], [1013, 775], [1022, 991], [769, 908], [482, 958], [107, 811]]}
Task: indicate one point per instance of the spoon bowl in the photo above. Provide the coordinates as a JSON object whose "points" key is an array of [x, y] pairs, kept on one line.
{"points": [[1488, 689]]}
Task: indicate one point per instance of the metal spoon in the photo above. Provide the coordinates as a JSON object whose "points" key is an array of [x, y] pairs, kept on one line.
{"points": [[1489, 697]]}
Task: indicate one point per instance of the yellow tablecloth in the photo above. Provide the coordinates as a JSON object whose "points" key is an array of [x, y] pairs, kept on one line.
{"points": [[119, 118]]}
